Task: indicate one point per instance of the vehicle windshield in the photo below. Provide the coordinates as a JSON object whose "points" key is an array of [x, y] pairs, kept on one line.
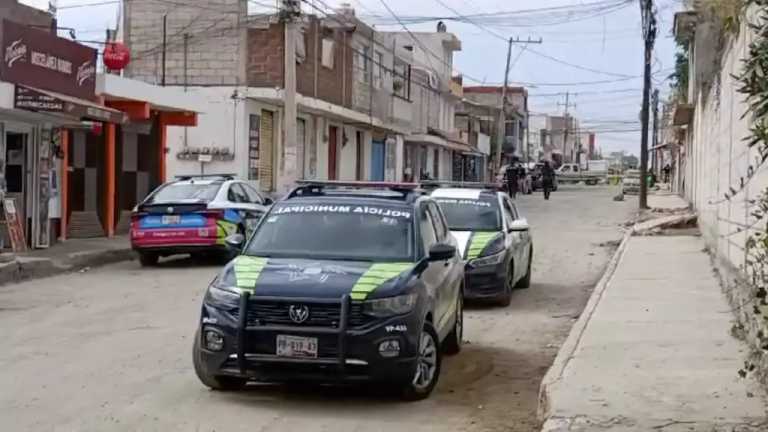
{"points": [[335, 231], [482, 214], [185, 192]]}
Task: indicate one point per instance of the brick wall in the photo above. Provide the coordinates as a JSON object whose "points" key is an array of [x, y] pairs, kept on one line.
{"points": [[266, 50], [216, 34]]}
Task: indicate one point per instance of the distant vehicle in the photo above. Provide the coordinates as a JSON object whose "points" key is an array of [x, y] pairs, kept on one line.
{"points": [[493, 238], [340, 282], [194, 214], [537, 180], [573, 173], [631, 182], [526, 184]]}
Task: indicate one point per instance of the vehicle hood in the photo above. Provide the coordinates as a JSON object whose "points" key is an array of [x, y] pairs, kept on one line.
{"points": [[472, 243], [289, 277]]}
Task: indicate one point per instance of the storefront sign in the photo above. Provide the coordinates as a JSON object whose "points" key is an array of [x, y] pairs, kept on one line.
{"points": [[39, 59], [35, 100], [12, 223]]}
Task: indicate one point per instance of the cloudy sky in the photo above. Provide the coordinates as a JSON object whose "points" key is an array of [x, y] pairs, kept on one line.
{"points": [[591, 48]]}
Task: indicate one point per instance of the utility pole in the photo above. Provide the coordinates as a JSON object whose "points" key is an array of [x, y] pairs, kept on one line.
{"points": [[649, 37], [655, 132], [291, 10], [165, 46], [567, 130], [501, 127]]}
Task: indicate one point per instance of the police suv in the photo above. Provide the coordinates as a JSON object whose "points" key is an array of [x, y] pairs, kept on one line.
{"points": [[493, 238], [339, 282]]}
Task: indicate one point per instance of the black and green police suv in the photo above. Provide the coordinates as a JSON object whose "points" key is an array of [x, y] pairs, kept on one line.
{"points": [[339, 282]]}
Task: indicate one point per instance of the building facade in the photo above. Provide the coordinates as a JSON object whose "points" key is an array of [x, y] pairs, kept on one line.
{"points": [[516, 116]]}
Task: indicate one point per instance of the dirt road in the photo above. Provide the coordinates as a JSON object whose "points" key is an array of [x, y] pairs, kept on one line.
{"points": [[110, 349]]}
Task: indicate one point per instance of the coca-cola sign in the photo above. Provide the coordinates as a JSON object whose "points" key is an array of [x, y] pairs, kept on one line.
{"points": [[40, 59]]}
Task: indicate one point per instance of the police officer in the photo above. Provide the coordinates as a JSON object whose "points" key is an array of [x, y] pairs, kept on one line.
{"points": [[547, 178]]}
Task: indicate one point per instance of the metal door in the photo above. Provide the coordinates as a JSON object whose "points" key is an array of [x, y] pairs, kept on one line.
{"points": [[377, 160]]}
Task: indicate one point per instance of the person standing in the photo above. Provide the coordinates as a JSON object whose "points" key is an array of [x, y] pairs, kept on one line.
{"points": [[547, 178], [511, 177]]}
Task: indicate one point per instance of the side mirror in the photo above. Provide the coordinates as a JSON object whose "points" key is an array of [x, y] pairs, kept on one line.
{"points": [[519, 225], [235, 241], [441, 252], [268, 201]]}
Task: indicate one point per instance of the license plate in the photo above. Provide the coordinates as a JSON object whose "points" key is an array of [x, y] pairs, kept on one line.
{"points": [[171, 219], [296, 346]]}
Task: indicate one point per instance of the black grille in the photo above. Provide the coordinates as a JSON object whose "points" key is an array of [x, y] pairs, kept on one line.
{"points": [[265, 313]]}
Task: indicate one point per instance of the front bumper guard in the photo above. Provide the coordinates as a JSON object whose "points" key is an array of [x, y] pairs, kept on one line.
{"points": [[341, 333]]}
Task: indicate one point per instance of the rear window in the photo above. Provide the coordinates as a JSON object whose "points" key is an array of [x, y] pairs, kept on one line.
{"points": [[463, 214], [174, 192]]}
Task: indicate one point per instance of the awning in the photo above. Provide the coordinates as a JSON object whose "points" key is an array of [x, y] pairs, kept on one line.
{"points": [[439, 141], [38, 100]]}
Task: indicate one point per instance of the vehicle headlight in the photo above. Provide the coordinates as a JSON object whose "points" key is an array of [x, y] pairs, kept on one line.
{"points": [[221, 296], [390, 306], [488, 260], [494, 247]]}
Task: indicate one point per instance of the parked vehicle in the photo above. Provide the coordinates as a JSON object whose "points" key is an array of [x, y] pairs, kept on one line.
{"points": [[493, 238], [537, 180], [630, 185], [194, 214], [339, 282], [525, 184], [573, 173]]}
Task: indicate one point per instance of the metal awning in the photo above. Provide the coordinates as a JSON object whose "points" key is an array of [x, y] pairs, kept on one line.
{"points": [[46, 101]]}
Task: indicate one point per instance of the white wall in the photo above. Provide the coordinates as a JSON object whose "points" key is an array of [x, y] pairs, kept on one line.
{"points": [[717, 157]]}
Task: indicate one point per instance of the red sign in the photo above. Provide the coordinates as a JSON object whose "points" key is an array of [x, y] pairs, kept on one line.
{"points": [[116, 56], [39, 59], [12, 223]]}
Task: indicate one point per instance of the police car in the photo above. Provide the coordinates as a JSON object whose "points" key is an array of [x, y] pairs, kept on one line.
{"points": [[339, 282], [194, 214], [494, 240]]}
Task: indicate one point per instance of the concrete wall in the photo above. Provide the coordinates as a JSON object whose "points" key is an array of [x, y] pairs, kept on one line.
{"points": [[215, 46], [23, 14], [716, 160]]}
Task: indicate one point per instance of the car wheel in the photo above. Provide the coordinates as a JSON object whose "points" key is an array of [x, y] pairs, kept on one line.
{"points": [[148, 259], [505, 298], [222, 383], [454, 340], [427, 367], [525, 282]]}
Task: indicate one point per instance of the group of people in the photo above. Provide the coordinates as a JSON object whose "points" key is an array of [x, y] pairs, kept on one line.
{"points": [[515, 176]]}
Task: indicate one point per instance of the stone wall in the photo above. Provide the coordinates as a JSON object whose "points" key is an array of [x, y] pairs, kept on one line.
{"points": [[216, 39]]}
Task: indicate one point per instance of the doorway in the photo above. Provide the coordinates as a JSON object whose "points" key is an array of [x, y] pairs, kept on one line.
{"points": [[377, 161], [16, 174], [333, 142]]}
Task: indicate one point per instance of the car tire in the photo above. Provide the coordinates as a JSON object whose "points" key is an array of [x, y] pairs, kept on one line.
{"points": [[505, 298], [429, 348], [221, 383], [455, 338], [148, 259], [525, 282]]}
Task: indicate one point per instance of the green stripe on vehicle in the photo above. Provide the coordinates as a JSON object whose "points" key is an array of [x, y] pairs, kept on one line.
{"points": [[375, 276], [223, 230], [247, 271], [478, 242]]}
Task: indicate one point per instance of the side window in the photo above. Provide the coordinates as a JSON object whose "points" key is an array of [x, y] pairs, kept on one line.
{"points": [[253, 196], [236, 193], [439, 222], [509, 214], [426, 229]]}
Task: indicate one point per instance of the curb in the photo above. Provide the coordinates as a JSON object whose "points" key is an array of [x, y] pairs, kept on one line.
{"points": [[29, 268], [565, 353]]}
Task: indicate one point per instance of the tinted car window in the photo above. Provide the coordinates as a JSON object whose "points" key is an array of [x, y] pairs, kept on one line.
{"points": [[427, 230], [509, 213], [253, 196], [336, 230], [185, 192], [236, 193], [482, 214], [437, 220]]}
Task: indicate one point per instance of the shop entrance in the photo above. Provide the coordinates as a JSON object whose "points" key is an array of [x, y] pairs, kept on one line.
{"points": [[16, 176]]}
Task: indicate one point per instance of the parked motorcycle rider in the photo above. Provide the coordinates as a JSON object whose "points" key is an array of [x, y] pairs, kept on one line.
{"points": [[547, 178]]}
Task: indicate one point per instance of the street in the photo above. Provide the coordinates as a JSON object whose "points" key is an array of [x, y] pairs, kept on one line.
{"points": [[110, 348]]}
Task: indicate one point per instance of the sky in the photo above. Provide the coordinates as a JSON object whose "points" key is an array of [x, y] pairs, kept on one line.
{"points": [[605, 85]]}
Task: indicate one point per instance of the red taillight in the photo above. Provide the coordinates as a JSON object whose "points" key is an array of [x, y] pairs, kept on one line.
{"points": [[135, 218], [212, 215]]}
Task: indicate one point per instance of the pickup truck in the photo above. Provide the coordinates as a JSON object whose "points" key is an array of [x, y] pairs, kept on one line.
{"points": [[573, 173]]}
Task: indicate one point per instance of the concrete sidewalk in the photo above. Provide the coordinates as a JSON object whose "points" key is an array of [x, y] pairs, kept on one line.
{"points": [[71, 255], [652, 351]]}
